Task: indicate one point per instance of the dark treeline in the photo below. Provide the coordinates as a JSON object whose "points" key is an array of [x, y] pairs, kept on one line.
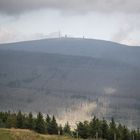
{"points": [[40, 124], [102, 129], [48, 125]]}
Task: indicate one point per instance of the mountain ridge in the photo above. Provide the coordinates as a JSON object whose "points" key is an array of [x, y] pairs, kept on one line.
{"points": [[61, 77], [67, 38]]}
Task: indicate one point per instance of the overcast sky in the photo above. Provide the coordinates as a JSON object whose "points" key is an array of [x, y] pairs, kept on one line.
{"points": [[114, 20]]}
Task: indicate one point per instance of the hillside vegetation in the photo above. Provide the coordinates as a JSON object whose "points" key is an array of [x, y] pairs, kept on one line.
{"points": [[18, 134], [73, 79], [94, 128]]}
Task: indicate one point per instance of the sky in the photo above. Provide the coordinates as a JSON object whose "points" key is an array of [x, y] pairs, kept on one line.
{"points": [[113, 20]]}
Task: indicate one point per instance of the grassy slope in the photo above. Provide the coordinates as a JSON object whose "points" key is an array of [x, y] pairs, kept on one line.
{"points": [[17, 134]]}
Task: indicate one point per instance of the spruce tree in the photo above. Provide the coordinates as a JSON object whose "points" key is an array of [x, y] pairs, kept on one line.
{"points": [[48, 124], [53, 126], [119, 131], [112, 130], [126, 134], [2, 125], [30, 123], [19, 120], [82, 130], [138, 134], [40, 124], [104, 129], [66, 129], [95, 128], [60, 130], [92, 127], [11, 121]]}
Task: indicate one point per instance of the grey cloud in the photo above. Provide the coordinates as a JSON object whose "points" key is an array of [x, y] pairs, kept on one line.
{"points": [[123, 35], [7, 34], [20, 6], [129, 27]]}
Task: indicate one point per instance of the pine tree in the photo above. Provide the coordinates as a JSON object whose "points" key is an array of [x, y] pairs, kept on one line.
{"points": [[4, 116], [2, 125], [3, 120], [60, 130], [11, 121], [112, 129], [48, 124], [95, 128], [40, 124], [82, 130], [54, 126], [48, 119], [19, 120], [92, 127], [126, 134], [112, 124], [138, 134], [119, 131], [104, 129], [30, 121], [66, 129]]}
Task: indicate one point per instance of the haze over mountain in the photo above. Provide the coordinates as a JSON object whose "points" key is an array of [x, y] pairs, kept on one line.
{"points": [[72, 78]]}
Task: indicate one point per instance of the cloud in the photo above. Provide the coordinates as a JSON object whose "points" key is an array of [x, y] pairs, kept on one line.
{"points": [[13, 7], [7, 35], [129, 31], [123, 34]]}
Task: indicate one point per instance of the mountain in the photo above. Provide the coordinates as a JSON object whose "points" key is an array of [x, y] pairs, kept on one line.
{"points": [[72, 78]]}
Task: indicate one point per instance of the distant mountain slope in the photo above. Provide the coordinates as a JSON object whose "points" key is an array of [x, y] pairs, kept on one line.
{"points": [[72, 78], [82, 47]]}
